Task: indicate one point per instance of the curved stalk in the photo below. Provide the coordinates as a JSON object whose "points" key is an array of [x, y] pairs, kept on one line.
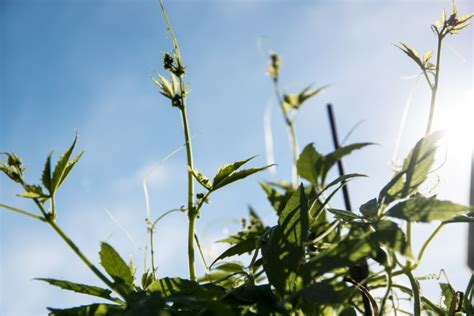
{"points": [[426, 244], [415, 291]]}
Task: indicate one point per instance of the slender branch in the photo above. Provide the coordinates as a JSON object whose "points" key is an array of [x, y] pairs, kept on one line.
{"points": [[434, 87], [26, 213], [78, 252], [426, 244], [416, 292], [201, 254]]}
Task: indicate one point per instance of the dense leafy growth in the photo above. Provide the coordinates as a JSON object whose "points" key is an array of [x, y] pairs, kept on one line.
{"points": [[315, 260]]}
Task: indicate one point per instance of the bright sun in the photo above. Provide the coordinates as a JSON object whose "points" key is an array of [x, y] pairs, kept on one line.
{"points": [[458, 122]]}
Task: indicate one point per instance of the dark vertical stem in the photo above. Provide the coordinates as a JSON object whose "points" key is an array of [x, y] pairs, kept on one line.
{"points": [[340, 166], [360, 269]]}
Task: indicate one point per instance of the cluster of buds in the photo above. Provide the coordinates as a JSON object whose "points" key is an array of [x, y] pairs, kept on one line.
{"points": [[13, 168], [273, 68], [173, 64], [452, 24]]}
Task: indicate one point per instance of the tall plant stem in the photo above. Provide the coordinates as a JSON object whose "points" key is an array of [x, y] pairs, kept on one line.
{"points": [[192, 214], [291, 133], [434, 87]]}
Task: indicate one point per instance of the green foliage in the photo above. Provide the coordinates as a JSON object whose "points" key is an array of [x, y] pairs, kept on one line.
{"points": [[316, 260]]}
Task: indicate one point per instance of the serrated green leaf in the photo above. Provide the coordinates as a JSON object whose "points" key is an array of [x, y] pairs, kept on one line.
{"points": [[227, 170], [414, 171], [79, 288], [204, 181], [115, 265], [283, 246], [242, 247], [70, 164], [46, 176], [239, 175], [89, 310], [314, 167], [309, 164], [60, 169], [421, 209], [294, 218]]}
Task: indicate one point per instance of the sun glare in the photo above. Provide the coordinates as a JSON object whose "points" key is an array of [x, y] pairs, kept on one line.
{"points": [[458, 122]]}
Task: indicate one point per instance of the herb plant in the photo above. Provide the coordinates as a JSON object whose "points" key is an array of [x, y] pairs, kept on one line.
{"points": [[316, 260]]}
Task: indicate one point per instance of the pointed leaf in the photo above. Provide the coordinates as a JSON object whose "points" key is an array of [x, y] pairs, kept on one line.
{"points": [[421, 209], [114, 264], [239, 175], [227, 169], [46, 176], [309, 164], [60, 169], [79, 288]]}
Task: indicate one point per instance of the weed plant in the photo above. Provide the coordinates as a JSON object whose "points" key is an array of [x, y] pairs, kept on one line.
{"points": [[316, 260]]}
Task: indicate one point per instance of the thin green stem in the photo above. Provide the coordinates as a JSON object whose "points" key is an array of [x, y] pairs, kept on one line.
{"points": [[152, 252], [26, 213], [201, 254], [291, 133], [415, 292], [389, 289], [191, 228], [426, 244], [434, 87], [192, 214]]}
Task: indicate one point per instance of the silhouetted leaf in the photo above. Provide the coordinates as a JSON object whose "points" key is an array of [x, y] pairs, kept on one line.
{"points": [[80, 288], [421, 209]]}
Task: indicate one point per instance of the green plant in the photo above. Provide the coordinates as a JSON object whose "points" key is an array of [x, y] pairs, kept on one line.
{"points": [[313, 260]]}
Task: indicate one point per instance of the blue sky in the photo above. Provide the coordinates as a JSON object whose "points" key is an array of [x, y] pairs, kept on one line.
{"points": [[85, 66]]}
